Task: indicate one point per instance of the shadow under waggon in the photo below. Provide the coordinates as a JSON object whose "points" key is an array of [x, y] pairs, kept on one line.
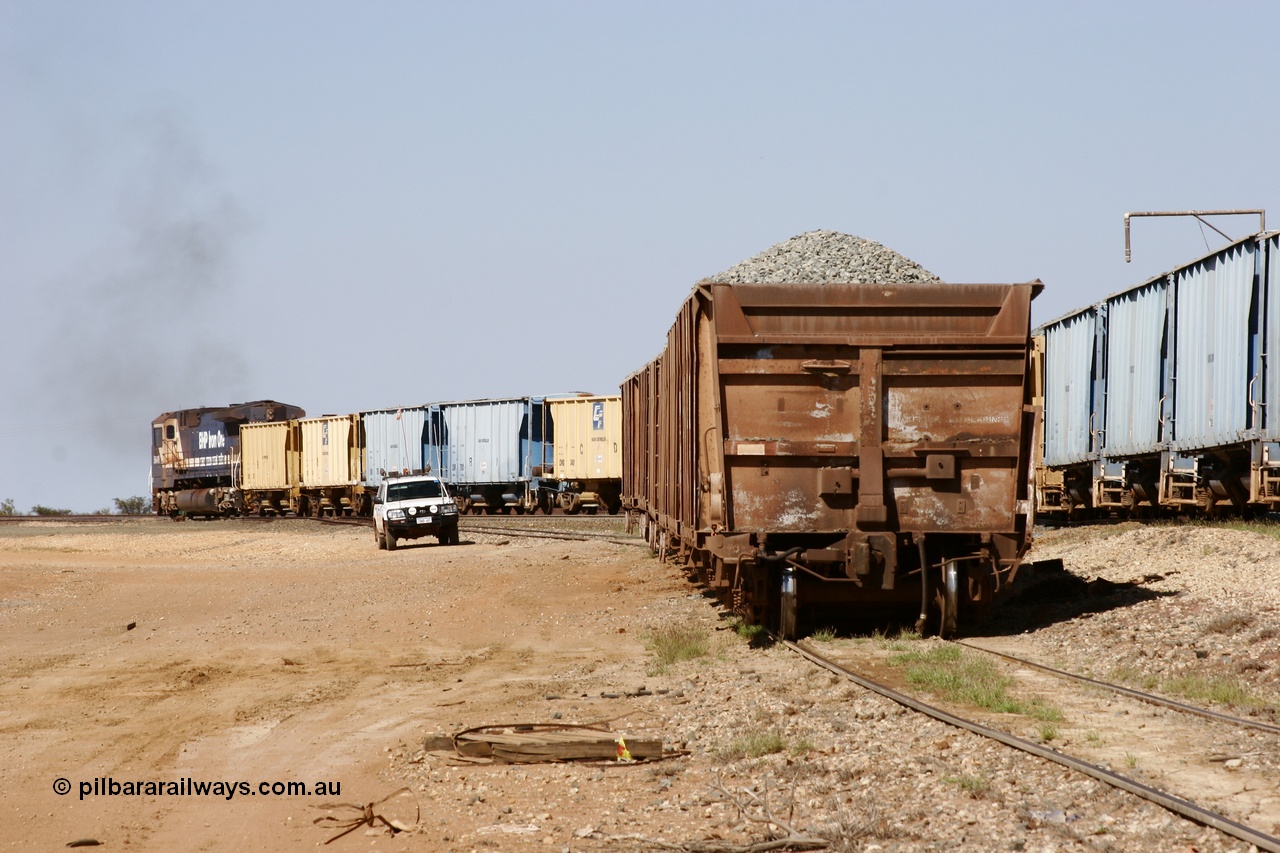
{"points": [[1050, 594]]}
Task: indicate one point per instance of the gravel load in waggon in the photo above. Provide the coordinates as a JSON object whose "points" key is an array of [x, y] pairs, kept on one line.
{"points": [[831, 430], [826, 257]]}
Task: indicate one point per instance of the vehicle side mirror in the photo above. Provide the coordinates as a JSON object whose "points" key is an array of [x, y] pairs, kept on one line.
{"points": [[377, 500]]}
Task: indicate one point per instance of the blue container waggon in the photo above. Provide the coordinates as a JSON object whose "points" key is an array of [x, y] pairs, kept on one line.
{"points": [[1161, 398], [495, 455], [393, 443]]}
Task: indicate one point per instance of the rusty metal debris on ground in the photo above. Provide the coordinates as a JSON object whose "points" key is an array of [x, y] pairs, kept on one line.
{"points": [[367, 816]]}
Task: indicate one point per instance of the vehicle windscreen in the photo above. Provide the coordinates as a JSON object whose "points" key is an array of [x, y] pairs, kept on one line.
{"points": [[415, 490]]}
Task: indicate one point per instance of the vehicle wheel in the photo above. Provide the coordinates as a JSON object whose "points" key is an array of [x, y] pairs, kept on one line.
{"points": [[377, 537], [449, 536], [391, 541]]}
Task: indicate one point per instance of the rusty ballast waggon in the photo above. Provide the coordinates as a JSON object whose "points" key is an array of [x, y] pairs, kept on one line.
{"points": [[811, 447]]}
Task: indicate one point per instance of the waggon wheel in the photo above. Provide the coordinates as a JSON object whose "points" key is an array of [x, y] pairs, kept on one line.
{"points": [[950, 599], [787, 614]]}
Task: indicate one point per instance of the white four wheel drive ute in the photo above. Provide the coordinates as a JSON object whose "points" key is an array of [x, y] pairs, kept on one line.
{"points": [[413, 506]]}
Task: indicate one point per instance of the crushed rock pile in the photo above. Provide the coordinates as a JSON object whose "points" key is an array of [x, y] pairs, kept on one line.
{"points": [[826, 257]]}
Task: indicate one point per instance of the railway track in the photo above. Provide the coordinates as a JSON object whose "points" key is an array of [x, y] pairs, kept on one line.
{"points": [[1121, 690], [541, 529], [578, 528], [1165, 799], [77, 519]]}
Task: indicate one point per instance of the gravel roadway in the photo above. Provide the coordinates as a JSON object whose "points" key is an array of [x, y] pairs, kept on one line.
{"points": [[297, 652]]}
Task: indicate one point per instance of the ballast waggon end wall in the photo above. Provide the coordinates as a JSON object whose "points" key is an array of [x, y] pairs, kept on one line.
{"points": [[839, 447]]}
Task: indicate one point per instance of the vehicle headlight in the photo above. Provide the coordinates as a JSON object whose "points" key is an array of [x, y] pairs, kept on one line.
{"points": [[450, 509], [413, 510], [395, 514], [433, 508]]}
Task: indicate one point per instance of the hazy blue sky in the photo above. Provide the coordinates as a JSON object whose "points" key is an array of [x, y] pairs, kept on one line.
{"points": [[358, 205]]}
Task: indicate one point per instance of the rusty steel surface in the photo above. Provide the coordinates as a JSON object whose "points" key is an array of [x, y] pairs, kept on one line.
{"points": [[834, 428]]}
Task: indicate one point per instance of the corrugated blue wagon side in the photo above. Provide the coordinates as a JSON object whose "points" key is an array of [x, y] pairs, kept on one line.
{"points": [[393, 442], [493, 454], [1162, 397], [1072, 401]]}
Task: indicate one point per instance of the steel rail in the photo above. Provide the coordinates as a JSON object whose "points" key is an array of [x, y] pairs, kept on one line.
{"points": [[1149, 698], [1187, 809], [585, 536], [77, 519]]}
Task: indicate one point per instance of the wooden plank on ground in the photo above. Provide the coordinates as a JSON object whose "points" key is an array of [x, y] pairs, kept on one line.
{"points": [[552, 745]]}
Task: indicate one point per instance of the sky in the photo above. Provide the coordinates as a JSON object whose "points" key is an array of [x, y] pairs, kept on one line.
{"points": [[349, 206]]}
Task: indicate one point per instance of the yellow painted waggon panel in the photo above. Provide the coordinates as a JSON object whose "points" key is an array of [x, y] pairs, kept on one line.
{"points": [[269, 455], [330, 451], [588, 437]]}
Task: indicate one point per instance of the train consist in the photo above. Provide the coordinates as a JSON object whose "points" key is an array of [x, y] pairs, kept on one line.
{"points": [[196, 459], [848, 447], [1161, 399], [268, 458]]}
